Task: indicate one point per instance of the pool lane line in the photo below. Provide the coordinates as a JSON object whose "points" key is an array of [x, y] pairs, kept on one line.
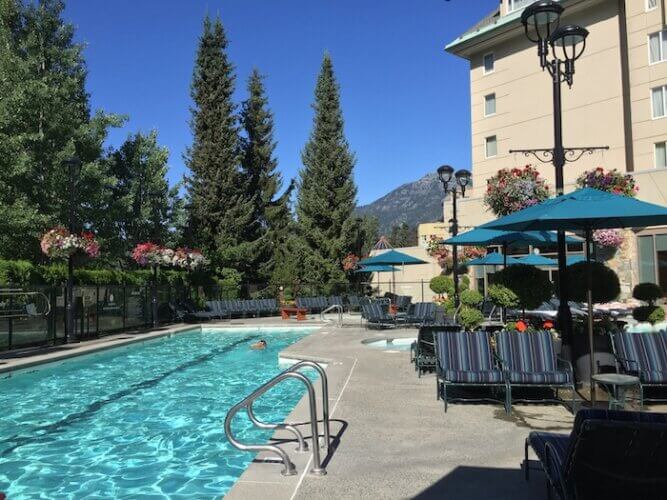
{"points": [[333, 410], [45, 430]]}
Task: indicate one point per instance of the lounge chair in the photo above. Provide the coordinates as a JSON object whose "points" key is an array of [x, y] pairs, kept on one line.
{"points": [[529, 360], [217, 308], [353, 303], [376, 315], [185, 312], [608, 454], [643, 355], [335, 300], [403, 302], [465, 360], [422, 351], [421, 314]]}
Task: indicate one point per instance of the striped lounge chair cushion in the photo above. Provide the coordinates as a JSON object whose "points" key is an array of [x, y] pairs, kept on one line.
{"points": [[648, 351], [466, 357], [530, 358]]}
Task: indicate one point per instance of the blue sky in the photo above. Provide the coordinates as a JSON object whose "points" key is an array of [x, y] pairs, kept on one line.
{"points": [[405, 101]]}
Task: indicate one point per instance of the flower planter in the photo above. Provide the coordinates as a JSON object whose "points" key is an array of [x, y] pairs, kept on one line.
{"points": [[603, 355]]}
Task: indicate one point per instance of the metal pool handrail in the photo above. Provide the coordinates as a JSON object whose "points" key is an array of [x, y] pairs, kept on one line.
{"points": [[247, 402], [335, 307]]}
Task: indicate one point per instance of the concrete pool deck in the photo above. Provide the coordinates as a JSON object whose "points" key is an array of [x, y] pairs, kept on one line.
{"points": [[393, 439]]}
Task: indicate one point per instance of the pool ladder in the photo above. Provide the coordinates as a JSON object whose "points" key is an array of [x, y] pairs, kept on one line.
{"points": [[291, 373], [335, 307]]}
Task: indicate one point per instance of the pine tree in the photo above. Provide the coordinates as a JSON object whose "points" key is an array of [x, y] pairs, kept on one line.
{"points": [[219, 212], [403, 235], [45, 118], [327, 193], [144, 207], [265, 235]]}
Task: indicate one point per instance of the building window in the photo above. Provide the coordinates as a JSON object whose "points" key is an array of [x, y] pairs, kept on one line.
{"points": [[490, 105], [657, 47], [658, 103], [491, 146], [489, 63], [661, 154], [653, 259], [651, 4], [518, 4]]}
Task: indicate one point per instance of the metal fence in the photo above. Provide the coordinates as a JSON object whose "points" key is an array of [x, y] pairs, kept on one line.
{"points": [[35, 315]]}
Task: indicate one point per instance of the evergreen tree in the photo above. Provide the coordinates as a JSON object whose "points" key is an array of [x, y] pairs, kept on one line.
{"points": [[44, 119], [265, 235], [144, 207], [327, 193], [403, 235], [219, 212]]}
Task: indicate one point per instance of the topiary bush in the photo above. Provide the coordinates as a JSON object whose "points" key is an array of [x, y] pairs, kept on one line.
{"points": [[606, 286], [650, 314], [530, 285], [502, 296], [471, 298], [442, 285], [470, 318], [647, 292]]}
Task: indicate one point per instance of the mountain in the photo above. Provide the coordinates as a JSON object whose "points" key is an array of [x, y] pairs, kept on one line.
{"points": [[412, 203]]}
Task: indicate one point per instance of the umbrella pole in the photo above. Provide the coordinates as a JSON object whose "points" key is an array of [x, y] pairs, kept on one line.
{"points": [[589, 296], [504, 255]]}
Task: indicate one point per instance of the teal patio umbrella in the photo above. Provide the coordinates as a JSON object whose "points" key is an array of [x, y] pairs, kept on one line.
{"points": [[392, 258], [537, 260], [584, 210], [482, 236], [493, 259], [375, 268]]}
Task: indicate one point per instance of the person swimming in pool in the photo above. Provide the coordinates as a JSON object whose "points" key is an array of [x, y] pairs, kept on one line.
{"points": [[259, 345]]}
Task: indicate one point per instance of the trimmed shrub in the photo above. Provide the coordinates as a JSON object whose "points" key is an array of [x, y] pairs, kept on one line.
{"points": [[647, 292], [470, 318], [502, 296], [606, 286], [442, 285], [650, 314], [471, 298], [19, 272], [530, 285]]}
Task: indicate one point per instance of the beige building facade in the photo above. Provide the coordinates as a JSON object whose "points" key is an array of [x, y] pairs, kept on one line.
{"points": [[618, 99], [428, 230]]}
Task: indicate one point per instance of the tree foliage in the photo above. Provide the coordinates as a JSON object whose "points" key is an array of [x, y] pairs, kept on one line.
{"points": [[605, 283], [327, 193], [648, 292], [530, 285], [403, 235]]}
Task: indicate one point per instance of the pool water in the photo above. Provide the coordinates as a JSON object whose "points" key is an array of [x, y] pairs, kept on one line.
{"points": [[141, 421], [393, 344]]}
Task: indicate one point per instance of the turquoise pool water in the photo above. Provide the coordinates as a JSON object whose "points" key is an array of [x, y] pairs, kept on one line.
{"points": [[143, 421]]}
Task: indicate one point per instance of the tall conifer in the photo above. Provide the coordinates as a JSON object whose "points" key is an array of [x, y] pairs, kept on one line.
{"points": [[327, 193], [219, 212]]}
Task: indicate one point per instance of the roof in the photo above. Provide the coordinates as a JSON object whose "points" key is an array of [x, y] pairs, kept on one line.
{"points": [[489, 23], [488, 20]]}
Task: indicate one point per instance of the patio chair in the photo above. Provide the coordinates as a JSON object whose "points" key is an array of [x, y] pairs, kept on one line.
{"points": [[353, 303], [421, 314], [465, 360], [529, 360], [422, 351], [376, 315], [643, 355], [334, 300], [608, 454], [216, 307], [403, 302]]}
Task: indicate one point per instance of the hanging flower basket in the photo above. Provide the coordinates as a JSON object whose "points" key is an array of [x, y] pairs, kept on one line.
{"points": [[611, 181], [59, 243], [152, 254], [608, 238], [514, 189]]}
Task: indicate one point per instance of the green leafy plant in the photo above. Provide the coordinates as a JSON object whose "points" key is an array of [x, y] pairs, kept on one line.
{"points": [[442, 285], [470, 318], [650, 314], [502, 296], [530, 285], [605, 283], [471, 298], [19, 272], [648, 292]]}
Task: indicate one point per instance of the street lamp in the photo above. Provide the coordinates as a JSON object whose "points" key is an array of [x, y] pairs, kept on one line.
{"points": [[453, 183], [558, 47], [73, 168]]}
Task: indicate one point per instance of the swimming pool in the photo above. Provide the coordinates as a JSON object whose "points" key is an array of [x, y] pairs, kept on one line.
{"points": [[144, 420], [392, 344]]}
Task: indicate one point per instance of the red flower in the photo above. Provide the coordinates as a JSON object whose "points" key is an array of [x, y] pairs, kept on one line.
{"points": [[521, 326]]}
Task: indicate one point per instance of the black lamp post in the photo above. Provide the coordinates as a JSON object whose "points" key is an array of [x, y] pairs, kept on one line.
{"points": [[73, 167], [558, 47], [452, 183]]}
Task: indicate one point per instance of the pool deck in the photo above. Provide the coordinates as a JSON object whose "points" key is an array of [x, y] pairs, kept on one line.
{"points": [[395, 441], [392, 437]]}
